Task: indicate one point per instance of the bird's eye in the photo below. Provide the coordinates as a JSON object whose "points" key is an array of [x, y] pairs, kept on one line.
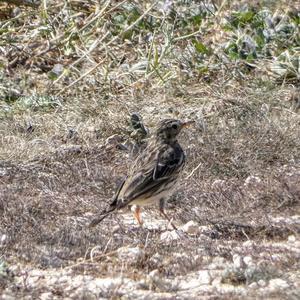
{"points": [[175, 126]]}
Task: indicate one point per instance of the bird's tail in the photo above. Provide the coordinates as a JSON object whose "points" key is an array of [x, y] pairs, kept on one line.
{"points": [[99, 218]]}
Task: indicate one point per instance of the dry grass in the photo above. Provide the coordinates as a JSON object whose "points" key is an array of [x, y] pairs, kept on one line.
{"points": [[56, 171]]}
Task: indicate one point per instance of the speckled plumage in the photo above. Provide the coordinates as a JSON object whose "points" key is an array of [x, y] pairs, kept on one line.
{"points": [[154, 174]]}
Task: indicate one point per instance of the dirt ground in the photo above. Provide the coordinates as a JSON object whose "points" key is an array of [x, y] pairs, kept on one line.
{"points": [[66, 143]]}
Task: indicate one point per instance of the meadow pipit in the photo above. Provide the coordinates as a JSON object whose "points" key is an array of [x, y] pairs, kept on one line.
{"points": [[154, 173]]}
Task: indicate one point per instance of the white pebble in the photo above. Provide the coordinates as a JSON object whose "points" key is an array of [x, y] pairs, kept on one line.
{"points": [[169, 236], [291, 239], [278, 284], [190, 227]]}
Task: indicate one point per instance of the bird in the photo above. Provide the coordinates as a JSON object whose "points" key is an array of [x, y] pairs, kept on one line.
{"points": [[153, 175]]}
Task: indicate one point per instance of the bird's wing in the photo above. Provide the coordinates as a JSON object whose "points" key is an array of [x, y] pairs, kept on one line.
{"points": [[168, 162], [152, 176]]}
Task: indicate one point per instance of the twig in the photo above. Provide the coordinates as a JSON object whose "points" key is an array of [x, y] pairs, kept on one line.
{"points": [[195, 169], [78, 79]]}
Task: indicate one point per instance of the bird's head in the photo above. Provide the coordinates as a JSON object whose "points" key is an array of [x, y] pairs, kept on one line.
{"points": [[168, 129]]}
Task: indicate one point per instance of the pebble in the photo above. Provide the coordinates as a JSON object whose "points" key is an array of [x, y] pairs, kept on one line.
{"points": [[202, 278], [156, 259], [3, 239], [277, 284], [237, 261], [248, 260], [253, 286], [169, 236], [130, 254], [252, 180], [217, 281], [113, 140], [248, 243], [261, 283], [46, 296], [218, 183], [291, 239], [190, 227]]}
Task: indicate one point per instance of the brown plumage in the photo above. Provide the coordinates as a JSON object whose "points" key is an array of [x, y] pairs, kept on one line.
{"points": [[154, 173]]}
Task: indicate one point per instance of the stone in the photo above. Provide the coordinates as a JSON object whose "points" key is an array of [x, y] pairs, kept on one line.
{"points": [[156, 259], [204, 277], [57, 70], [248, 260], [114, 139], [130, 254], [218, 184], [252, 180], [169, 236], [248, 243], [205, 259], [237, 261], [291, 239], [219, 262], [217, 281], [277, 284], [261, 283], [200, 278], [253, 286], [190, 227], [3, 239], [154, 274], [46, 296]]}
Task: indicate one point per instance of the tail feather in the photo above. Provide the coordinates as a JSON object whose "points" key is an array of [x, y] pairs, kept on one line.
{"points": [[99, 218]]}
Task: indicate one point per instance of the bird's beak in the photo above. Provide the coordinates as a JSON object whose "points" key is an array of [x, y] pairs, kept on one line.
{"points": [[187, 123]]}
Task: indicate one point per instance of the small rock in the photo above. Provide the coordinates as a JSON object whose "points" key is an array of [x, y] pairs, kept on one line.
{"points": [[16, 12], [91, 129], [206, 259], [217, 281], [130, 254], [36, 273], [204, 277], [53, 280], [261, 283], [78, 280], [46, 296], [253, 286], [57, 70], [291, 239], [115, 229], [3, 239], [218, 184], [252, 180], [205, 229], [248, 260], [219, 261], [190, 227], [237, 261], [113, 140], [201, 278], [154, 274], [155, 280], [62, 279], [248, 243], [156, 259], [278, 284], [169, 236]]}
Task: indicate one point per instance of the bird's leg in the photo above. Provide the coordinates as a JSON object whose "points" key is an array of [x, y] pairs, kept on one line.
{"points": [[137, 215], [162, 211]]}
